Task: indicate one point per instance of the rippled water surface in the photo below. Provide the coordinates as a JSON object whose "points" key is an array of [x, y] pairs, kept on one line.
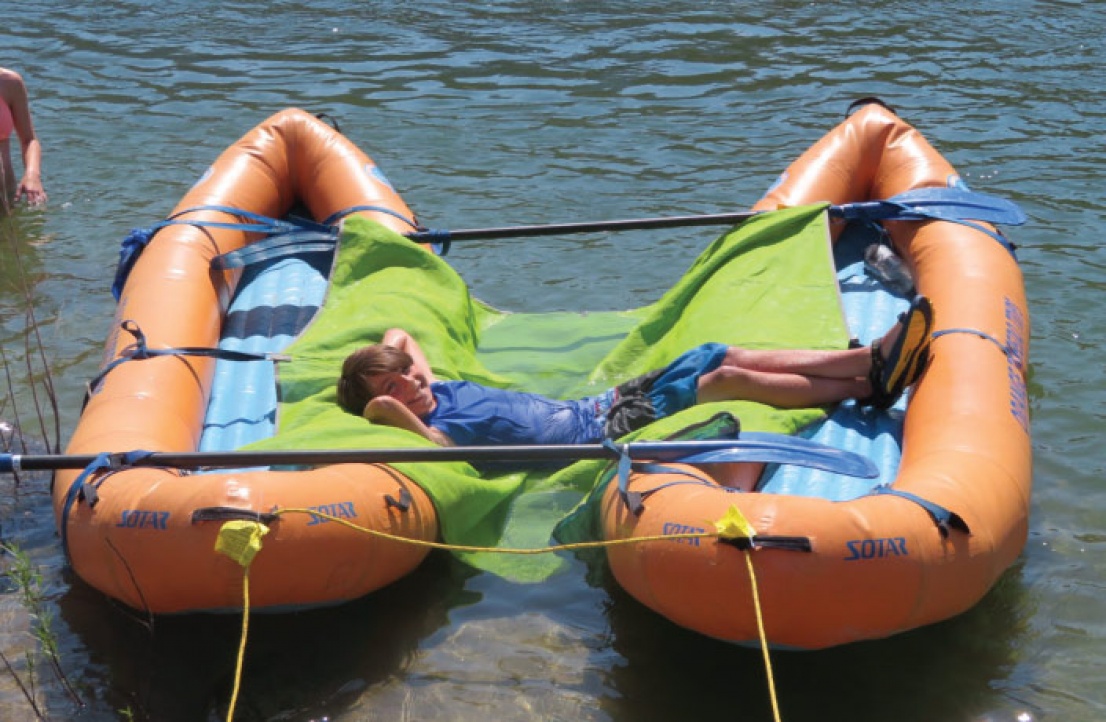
{"points": [[526, 112]]}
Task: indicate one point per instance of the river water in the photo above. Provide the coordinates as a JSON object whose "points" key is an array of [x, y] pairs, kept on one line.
{"points": [[527, 112]]}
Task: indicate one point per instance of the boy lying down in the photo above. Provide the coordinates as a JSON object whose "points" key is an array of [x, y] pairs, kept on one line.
{"points": [[391, 383]]}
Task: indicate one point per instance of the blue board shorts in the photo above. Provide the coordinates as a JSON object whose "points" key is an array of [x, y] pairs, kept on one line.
{"points": [[660, 393]]}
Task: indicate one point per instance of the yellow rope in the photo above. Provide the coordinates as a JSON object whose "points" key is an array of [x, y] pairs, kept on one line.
{"points": [[763, 636], [241, 644], [734, 525], [497, 550], [241, 540]]}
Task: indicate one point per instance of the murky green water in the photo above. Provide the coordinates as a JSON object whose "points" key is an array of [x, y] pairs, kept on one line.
{"points": [[524, 112]]}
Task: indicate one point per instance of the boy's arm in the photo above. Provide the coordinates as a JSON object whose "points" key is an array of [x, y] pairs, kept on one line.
{"points": [[398, 338], [386, 410]]}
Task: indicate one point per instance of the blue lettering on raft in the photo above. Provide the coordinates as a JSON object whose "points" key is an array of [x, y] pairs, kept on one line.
{"points": [[860, 549], [1015, 363], [339, 510], [674, 528], [143, 519]]}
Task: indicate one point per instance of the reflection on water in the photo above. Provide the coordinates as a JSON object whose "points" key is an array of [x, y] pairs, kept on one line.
{"points": [[299, 665], [832, 684]]}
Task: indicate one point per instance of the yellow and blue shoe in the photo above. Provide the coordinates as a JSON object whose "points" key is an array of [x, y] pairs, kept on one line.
{"points": [[901, 367]]}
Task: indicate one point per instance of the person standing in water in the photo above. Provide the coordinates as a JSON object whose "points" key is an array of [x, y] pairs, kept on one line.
{"points": [[15, 115]]}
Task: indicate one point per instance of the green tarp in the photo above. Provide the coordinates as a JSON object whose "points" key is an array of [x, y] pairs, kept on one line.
{"points": [[768, 284]]}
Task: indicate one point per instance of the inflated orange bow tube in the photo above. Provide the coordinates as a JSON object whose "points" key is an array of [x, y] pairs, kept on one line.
{"points": [[879, 564], [139, 543]]}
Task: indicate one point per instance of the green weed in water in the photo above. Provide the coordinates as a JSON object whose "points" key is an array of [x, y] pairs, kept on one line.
{"points": [[27, 581]]}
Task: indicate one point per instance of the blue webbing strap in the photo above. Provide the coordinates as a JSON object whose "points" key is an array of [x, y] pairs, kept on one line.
{"points": [[137, 240], [440, 247], [635, 500], [632, 499], [140, 351], [84, 487], [649, 467], [261, 224], [925, 204], [129, 251], [889, 211], [957, 201], [941, 516], [277, 246], [291, 230], [333, 218], [654, 468], [975, 332], [789, 543]]}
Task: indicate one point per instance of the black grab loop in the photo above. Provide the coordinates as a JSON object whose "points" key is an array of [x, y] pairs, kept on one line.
{"points": [[783, 543], [231, 513], [403, 503], [869, 100], [942, 517], [329, 120]]}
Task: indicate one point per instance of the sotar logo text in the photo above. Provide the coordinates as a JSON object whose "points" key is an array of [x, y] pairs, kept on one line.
{"points": [[143, 519], [876, 548], [340, 510], [671, 528]]}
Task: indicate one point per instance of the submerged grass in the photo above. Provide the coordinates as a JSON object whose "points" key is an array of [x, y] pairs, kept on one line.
{"points": [[30, 401], [26, 579], [24, 348]]}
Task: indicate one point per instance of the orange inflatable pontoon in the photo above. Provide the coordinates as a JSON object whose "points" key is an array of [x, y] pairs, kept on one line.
{"points": [[880, 563], [149, 539]]}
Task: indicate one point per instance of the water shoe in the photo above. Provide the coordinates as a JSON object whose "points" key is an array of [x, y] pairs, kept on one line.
{"points": [[903, 364]]}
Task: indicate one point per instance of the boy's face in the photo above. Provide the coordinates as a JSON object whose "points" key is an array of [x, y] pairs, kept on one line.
{"points": [[409, 387]]}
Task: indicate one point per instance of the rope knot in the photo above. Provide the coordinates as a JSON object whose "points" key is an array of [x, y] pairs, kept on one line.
{"points": [[241, 540], [734, 525]]}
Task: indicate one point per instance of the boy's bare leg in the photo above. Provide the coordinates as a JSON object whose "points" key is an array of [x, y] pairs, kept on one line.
{"points": [[847, 364], [785, 390], [836, 364]]}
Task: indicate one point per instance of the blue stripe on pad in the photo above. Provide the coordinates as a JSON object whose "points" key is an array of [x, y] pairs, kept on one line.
{"points": [[275, 301], [870, 309]]}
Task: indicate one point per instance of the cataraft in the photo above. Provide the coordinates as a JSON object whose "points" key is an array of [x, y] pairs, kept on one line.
{"points": [[840, 559], [215, 405]]}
